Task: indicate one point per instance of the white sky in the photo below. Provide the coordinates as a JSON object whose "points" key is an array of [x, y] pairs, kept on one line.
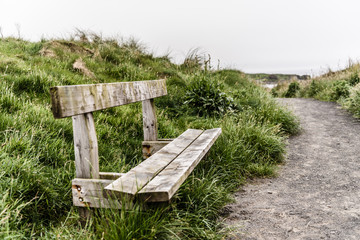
{"points": [[285, 36]]}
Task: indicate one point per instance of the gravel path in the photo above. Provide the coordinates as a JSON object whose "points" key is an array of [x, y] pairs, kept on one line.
{"points": [[317, 192]]}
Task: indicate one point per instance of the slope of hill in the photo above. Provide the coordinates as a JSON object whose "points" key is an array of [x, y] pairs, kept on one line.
{"points": [[36, 151], [341, 86]]}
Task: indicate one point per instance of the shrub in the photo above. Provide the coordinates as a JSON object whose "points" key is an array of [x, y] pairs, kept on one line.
{"points": [[274, 93], [294, 87], [314, 88], [205, 97], [354, 78], [354, 100], [340, 89]]}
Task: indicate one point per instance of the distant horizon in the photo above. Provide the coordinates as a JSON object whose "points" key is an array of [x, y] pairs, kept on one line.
{"points": [[280, 73], [311, 73]]}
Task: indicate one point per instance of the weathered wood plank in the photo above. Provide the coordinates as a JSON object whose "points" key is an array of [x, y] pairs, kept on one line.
{"points": [[110, 175], [151, 147], [95, 202], [136, 178], [90, 187], [86, 146], [90, 193], [167, 182], [149, 120], [78, 99]]}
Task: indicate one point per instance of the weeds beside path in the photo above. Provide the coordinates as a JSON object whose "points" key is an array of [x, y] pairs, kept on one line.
{"points": [[317, 193]]}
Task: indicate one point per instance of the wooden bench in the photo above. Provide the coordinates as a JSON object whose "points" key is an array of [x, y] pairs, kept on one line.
{"points": [[156, 179]]}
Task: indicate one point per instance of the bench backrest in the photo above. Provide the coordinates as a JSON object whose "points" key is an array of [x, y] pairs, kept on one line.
{"points": [[79, 101]]}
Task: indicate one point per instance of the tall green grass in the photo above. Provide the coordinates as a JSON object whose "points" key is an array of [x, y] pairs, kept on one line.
{"points": [[36, 151]]}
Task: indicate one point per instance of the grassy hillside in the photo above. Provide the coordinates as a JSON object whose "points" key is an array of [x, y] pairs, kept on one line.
{"points": [[36, 151], [341, 86]]}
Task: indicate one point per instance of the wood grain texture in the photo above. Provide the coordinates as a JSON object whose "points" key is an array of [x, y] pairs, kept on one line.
{"points": [[89, 193], [110, 175], [90, 187], [78, 99], [95, 202], [139, 176], [149, 120], [167, 182], [86, 146], [151, 147]]}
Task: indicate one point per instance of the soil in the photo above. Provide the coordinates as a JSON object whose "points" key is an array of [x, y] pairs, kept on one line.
{"points": [[317, 192]]}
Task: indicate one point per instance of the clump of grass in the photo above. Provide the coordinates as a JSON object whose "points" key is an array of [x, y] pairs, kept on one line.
{"points": [[341, 88], [133, 223], [193, 61], [205, 97], [354, 78], [314, 88], [293, 89], [36, 151], [353, 101]]}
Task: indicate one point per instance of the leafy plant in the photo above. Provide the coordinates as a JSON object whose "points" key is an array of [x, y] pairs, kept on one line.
{"points": [[354, 78], [314, 88], [274, 93], [294, 87], [340, 89], [354, 101], [205, 97]]}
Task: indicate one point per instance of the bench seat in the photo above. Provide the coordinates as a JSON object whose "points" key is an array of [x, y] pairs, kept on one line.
{"points": [[157, 178]]}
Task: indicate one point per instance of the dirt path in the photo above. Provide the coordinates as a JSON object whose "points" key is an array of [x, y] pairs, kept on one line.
{"points": [[317, 193]]}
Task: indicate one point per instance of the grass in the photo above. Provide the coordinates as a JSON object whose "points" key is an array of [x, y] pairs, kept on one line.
{"points": [[342, 86], [36, 151]]}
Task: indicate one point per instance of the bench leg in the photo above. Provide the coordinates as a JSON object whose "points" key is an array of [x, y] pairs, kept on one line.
{"points": [[84, 214], [86, 152]]}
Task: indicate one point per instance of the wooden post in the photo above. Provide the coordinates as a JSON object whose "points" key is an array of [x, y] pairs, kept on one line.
{"points": [[149, 120], [86, 151]]}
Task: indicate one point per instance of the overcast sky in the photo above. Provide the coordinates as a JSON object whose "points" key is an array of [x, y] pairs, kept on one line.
{"points": [[285, 36]]}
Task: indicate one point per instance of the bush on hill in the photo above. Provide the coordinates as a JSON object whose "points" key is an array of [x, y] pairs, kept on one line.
{"points": [[294, 87]]}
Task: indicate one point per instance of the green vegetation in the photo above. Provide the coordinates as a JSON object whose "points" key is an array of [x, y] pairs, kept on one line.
{"points": [[276, 77], [205, 97], [36, 151], [293, 88], [340, 89], [342, 86]]}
